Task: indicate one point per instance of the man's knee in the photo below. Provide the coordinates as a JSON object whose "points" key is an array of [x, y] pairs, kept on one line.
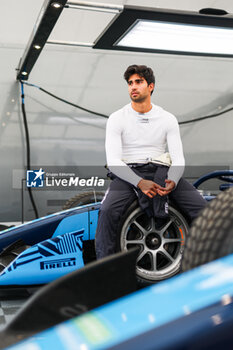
{"points": [[115, 203]]}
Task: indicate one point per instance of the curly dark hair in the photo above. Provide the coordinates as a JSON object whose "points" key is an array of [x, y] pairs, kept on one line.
{"points": [[143, 71]]}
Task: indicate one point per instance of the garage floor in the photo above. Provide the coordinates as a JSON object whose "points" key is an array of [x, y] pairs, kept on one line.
{"points": [[8, 309], [9, 306]]}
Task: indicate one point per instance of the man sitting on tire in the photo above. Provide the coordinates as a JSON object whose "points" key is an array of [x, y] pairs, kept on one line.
{"points": [[136, 139]]}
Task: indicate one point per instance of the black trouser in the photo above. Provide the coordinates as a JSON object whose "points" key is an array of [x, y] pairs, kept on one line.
{"points": [[117, 200]]}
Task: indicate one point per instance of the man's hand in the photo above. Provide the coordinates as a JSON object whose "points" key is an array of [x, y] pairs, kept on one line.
{"points": [[149, 188], [170, 185]]}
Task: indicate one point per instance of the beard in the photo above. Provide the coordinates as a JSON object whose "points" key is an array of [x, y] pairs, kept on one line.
{"points": [[138, 98]]}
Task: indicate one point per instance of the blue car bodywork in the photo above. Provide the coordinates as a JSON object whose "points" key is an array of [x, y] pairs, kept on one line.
{"points": [[189, 311], [53, 245]]}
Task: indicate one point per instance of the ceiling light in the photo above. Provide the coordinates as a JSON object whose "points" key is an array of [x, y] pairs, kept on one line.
{"points": [[38, 47], [57, 5], [179, 37], [167, 31]]}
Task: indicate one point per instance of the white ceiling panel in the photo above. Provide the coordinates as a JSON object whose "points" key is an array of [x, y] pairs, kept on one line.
{"points": [[17, 18], [80, 25]]}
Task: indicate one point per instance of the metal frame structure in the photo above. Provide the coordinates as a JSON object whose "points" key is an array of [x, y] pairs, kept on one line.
{"points": [[46, 21], [122, 24], [49, 14], [125, 18]]}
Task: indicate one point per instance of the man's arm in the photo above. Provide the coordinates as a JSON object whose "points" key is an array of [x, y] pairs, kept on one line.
{"points": [[175, 149], [113, 147]]}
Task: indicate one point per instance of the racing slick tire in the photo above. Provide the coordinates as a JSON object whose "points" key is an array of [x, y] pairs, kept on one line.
{"points": [[83, 199], [161, 247], [211, 235]]}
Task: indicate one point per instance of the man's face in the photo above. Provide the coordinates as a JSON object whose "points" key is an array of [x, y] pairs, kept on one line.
{"points": [[138, 88]]}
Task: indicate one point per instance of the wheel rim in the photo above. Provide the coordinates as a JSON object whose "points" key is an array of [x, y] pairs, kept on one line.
{"points": [[161, 247]]}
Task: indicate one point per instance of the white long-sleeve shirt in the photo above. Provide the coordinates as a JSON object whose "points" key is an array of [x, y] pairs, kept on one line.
{"points": [[133, 137]]}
